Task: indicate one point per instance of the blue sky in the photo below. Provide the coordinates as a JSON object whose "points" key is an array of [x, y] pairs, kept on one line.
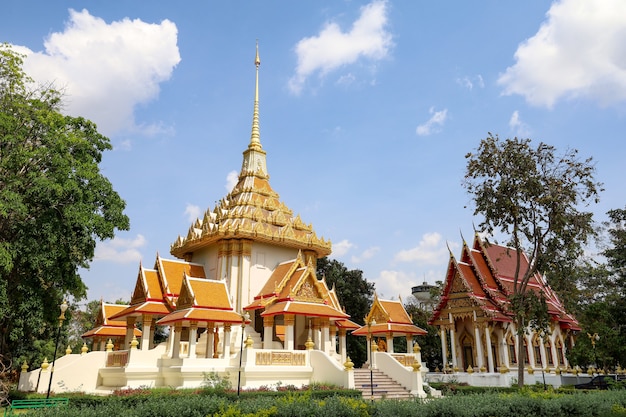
{"points": [[367, 110]]}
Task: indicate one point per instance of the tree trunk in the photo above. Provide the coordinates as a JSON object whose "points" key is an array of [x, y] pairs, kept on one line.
{"points": [[521, 360]]}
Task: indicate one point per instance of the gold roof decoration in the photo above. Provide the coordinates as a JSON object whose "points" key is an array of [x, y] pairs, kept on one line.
{"points": [[252, 210]]}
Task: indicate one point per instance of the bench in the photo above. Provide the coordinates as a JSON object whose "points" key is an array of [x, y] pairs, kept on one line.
{"points": [[34, 403]]}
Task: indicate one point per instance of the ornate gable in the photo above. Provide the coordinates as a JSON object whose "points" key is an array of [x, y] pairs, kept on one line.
{"points": [[186, 299]]}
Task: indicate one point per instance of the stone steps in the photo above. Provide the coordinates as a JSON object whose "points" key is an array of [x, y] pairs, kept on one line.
{"points": [[384, 386]]}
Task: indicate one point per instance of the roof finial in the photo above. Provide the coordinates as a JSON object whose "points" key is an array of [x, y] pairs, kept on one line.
{"points": [[255, 137]]}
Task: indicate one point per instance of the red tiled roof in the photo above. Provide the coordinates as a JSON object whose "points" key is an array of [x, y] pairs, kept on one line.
{"points": [[488, 271]]}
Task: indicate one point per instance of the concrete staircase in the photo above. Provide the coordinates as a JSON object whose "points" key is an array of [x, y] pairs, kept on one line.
{"points": [[384, 386]]}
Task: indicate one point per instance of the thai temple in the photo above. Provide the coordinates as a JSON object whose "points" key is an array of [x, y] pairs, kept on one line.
{"points": [[479, 338], [241, 300]]}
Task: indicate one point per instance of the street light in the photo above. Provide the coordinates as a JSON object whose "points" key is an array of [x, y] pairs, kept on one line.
{"points": [[594, 338], [63, 308], [369, 346], [244, 318]]}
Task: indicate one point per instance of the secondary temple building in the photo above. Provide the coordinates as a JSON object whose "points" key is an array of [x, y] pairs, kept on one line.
{"points": [[241, 299], [476, 326]]}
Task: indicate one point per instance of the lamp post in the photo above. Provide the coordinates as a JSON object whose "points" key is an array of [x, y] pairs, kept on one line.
{"points": [[244, 319], [594, 338], [369, 346], [63, 308]]}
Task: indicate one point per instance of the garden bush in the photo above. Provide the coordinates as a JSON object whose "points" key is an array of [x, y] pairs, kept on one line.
{"points": [[190, 403]]}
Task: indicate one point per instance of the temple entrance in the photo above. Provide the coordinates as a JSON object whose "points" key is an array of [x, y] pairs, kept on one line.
{"points": [[467, 345]]}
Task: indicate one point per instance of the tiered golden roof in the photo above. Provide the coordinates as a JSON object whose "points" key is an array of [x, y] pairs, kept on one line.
{"points": [[252, 210]]}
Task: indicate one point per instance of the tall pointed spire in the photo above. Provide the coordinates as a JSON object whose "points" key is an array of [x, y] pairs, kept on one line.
{"points": [[255, 137], [254, 161]]}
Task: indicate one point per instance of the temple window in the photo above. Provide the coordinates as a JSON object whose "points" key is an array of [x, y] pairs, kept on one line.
{"points": [[560, 353], [549, 353]]}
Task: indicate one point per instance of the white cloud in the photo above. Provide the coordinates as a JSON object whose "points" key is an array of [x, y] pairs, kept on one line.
{"points": [[365, 255], [391, 284], [516, 124], [332, 48], [192, 212], [120, 250], [577, 52], [231, 180], [107, 69], [429, 251], [341, 248], [470, 82], [434, 124]]}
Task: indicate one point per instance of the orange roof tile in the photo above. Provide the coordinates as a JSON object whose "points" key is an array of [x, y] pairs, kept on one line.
{"points": [[201, 315], [304, 309], [149, 307], [397, 329]]}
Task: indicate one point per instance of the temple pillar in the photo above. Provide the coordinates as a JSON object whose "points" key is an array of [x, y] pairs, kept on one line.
{"points": [[226, 345], [343, 348], [325, 335], [453, 347], [506, 361], [268, 331], [389, 339], [146, 331], [210, 333], [409, 343], [152, 331], [529, 349], [542, 352], [193, 336], [444, 345], [178, 329], [289, 331], [130, 331], [490, 365], [555, 353], [479, 347], [333, 339]]}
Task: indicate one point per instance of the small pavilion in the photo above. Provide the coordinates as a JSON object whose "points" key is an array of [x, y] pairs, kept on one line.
{"points": [[107, 329]]}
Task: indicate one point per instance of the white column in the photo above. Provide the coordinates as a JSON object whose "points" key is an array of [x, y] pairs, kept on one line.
{"points": [[325, 335], [170, 341], [130, 331], [178, 328], [530, 349], [479, 347], [193, 336], [455, 363], [542, 350], [210, 334], [490, 365], [506, 361], [226, 346], [289, 331], [409, 343], [389, 339], [444, 346], [146, 332], [343, 349]]}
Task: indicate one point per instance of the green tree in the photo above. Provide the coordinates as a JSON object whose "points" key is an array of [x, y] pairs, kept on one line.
{"points": [[355, 294], [603, 304], [54, 205], [533, 196]]}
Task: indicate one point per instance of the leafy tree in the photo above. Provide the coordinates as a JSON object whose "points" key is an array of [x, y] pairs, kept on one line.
{"points": [[603, 306], [54, 204], [355, 294], [534, 196]]}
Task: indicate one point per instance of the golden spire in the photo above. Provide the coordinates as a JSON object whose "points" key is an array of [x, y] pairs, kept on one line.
{"points": [[255, 137]]}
